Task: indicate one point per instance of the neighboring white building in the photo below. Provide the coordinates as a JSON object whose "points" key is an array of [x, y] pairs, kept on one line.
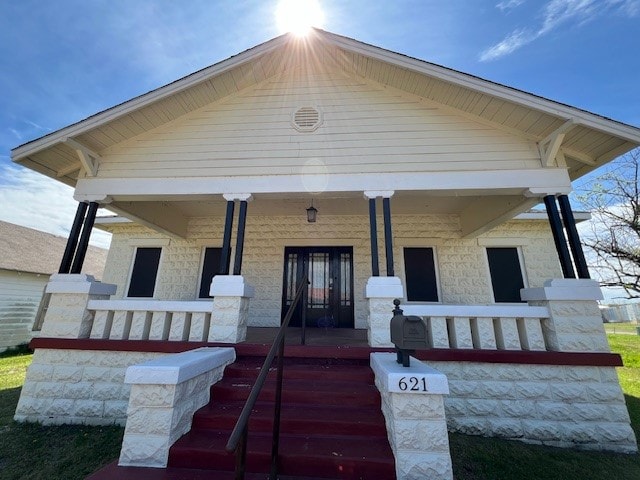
{"points": [[390, 177], [28, 257]]}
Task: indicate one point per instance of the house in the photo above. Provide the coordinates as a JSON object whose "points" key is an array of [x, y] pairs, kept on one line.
{"points": [[27, 258], [386, 177]]}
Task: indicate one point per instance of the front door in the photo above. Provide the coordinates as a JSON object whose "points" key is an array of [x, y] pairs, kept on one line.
{"points": [[330, 292]]}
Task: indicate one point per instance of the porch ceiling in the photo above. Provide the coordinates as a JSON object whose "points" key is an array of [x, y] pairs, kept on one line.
{"points": [[478, 211]]}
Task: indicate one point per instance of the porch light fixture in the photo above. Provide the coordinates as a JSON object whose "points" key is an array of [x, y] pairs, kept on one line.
{"points": [[312, 213]]}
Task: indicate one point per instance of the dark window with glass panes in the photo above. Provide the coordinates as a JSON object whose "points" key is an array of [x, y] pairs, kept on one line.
{"points": [[506, 273], [420, 274], [210, 267], [144, 272]]}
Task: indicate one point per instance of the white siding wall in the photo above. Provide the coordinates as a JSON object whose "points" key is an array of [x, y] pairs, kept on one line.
{"points": [[462, 265], [20, 295], [367, 128]]}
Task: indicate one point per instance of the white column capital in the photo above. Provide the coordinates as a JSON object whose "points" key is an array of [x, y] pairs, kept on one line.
{"points": [[98, 198], [243, 197], [384, 287], [369, 194], [230, 286], [79, 283], [543, 192], [391, 375], [568, 289]]}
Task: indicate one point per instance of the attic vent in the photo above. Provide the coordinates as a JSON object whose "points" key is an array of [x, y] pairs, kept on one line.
{"points": [[306, 119]]}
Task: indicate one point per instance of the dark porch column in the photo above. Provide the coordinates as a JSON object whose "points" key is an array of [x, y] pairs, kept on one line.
{"points": [[72, 242], [558, 236], [242, 220], [388, 239], [373, 229], [574, 238], [83, 244], [225, 255]]}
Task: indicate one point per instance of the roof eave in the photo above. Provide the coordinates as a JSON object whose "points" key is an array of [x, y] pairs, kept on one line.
{"points": [[582, 117], [21, 152]]}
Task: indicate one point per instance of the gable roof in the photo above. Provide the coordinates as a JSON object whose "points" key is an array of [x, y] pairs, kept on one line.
{"points": [[587, 140], [24, 249]]}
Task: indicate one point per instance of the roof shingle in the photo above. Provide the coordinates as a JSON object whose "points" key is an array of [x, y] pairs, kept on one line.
{"points": [[27, 250]]}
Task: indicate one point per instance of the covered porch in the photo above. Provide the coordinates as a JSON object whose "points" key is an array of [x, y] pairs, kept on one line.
{"points": [[430, 248]]}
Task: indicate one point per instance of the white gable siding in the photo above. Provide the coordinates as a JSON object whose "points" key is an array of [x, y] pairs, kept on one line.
{"points": [[20, 295], [367, 128]]}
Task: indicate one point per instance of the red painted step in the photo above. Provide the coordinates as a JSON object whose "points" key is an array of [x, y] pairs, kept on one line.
{"points": [[114, 472], [294, 418], [328, 456], [331, 422]]}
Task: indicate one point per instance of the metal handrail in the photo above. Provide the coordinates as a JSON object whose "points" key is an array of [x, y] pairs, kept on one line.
{"points": [[238, 439]]}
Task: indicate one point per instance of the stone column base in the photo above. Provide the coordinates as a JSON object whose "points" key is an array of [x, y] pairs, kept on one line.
{"points": [[381, 291], [575, 321], [67, 315], [230, 313]]}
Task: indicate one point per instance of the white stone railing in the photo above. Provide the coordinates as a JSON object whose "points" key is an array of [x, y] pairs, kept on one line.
{"points": [[151, 320], [492, 327]]}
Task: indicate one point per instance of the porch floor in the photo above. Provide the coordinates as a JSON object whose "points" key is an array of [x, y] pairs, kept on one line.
{"points": [[316, 337]]}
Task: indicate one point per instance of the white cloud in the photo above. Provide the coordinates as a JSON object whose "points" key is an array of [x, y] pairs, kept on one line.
{"points": [[509, 4], [16, 133], [554, 14], [511, 43], [32, 200]]}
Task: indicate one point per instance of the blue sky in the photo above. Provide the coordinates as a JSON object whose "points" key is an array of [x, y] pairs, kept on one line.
{"points": [[65, 60]]}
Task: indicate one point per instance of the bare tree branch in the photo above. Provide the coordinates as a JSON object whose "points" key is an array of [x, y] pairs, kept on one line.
{"points": [[614, 241]]}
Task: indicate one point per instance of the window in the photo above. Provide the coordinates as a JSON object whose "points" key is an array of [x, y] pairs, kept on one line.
{"points": [[210, 267], [420, 274], [506, 273], [144, 272]]}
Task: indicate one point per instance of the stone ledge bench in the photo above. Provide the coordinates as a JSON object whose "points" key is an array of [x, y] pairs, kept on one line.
{"points": [[165, 393], [413, 408]]}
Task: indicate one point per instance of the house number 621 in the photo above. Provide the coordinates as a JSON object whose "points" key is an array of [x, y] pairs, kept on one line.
{"points": [[412, 384]]}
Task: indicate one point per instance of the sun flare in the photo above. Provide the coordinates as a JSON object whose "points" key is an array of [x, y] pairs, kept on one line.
{"points": [[298, 16]]}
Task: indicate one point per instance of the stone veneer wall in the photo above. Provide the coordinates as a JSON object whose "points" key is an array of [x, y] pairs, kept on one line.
{"points": [[77, 387], [461, 263], [564, 406]]}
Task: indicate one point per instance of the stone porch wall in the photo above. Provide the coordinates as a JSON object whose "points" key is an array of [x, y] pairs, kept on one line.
{"points": [[461, 263], [77, 387], [564, 406]]}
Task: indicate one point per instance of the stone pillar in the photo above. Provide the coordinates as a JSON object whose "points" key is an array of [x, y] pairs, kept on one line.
{"points": [[230, 309], [575, 321], [165, 393], [413, 408], [381, 291], [67, 315]]}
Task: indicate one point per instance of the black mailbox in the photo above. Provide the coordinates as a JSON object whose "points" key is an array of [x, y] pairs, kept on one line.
{"points": [[408, 334]]}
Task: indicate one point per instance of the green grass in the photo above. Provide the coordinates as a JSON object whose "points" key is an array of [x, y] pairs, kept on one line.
{"points": [[33, 452], [621, 327], [13, 366]]}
